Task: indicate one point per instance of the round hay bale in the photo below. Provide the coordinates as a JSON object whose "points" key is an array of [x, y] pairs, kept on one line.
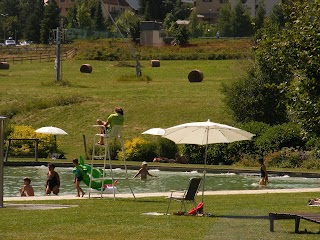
{"points": [[195, 76], [155, 63], [4, 65], [86, 68]]}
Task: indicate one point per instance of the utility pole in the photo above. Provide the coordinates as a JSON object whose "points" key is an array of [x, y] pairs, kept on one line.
{"points": [[4, 26], [57, 63], [1, 158]]}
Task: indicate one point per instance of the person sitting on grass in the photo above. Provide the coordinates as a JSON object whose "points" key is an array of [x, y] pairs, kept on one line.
{"points": [[27, 189], [143, 172], [114, 119]]}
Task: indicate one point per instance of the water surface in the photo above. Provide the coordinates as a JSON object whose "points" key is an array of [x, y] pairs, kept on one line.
{"points": [[164, 182]]}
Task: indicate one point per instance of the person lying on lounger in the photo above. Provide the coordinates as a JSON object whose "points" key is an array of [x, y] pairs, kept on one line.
{"points": [[315, 201]]}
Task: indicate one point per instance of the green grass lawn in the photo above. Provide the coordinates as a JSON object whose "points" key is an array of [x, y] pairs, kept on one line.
{"points": [[234, 217], [29, 95]]}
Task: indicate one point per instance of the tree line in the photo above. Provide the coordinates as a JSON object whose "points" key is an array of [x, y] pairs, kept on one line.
{"points": [[33, 20], [282, 86]]}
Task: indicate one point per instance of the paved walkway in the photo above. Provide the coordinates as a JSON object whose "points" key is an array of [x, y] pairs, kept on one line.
{"points": [[162, 194]]}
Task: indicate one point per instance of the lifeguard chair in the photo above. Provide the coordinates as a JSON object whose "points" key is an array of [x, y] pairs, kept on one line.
{"points": [[104, 153]]}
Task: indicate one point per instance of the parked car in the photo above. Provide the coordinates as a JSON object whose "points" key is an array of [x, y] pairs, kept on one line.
{"points": [[10, 42], [24, 43]]}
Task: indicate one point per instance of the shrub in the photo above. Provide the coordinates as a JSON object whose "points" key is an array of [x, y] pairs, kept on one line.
{"points": [[246, 160], [25, 148], [311, 162], [235, 150], [138, 149], [167, 148], [314, 145], [114, 147], [194, 153], [217, 154], [257, 128], [280, 136], [285, 158]]}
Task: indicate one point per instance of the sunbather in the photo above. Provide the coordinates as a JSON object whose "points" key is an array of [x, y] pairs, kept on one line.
{"points": [[315, 201]]}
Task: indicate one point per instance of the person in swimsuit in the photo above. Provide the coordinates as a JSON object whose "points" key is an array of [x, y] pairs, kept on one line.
{"points": [[53, 180], [77, 171], [143, 172], [27, 189], [263, 173]]}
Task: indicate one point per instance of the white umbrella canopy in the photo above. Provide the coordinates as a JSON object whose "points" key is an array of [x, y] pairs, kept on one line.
{"points": [[51, 130], [204, 133], [155, 131]]}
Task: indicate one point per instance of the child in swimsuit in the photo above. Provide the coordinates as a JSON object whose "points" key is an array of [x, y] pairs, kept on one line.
{"points": [[77, 177], [143, 171], [27, 189]]}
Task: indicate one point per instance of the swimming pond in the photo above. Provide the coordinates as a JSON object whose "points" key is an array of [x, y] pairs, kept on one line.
{"points": [[164, 182]]}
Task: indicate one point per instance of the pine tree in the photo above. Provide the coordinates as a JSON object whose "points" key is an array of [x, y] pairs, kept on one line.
{"points": [[50, 20], [98, 18], [33, 18]]}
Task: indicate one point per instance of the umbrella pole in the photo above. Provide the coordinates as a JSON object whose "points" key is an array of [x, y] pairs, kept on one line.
{"points": [[55, 144], [204, 172], [205, 165]]}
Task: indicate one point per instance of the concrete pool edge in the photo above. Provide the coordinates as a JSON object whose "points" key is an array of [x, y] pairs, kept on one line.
{"points": [[161, 194], [163, 167]]}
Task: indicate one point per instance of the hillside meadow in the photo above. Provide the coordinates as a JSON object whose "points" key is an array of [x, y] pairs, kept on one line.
{"points": [[162, 98]]}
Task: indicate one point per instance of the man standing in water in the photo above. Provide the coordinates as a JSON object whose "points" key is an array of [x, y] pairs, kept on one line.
{"points": [[143, 171]]}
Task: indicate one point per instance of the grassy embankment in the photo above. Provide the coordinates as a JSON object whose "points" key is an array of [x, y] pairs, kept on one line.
{"points": [[30, 97]]}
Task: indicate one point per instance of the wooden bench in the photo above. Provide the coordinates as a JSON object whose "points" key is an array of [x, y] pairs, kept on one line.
{"points": [[312, 217]]}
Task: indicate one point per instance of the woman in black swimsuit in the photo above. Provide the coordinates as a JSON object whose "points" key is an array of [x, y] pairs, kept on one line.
{"points": [[263, 172], [53, 181]]}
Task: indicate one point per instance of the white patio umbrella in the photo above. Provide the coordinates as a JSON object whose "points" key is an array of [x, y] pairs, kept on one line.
{"points": [[204, 133], [52, 131], [155, 131]]}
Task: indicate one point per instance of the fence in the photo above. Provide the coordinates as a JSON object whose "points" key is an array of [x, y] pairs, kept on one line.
{"points": [[42, 57]]}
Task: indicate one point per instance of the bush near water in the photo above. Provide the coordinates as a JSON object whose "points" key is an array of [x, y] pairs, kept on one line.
{"points": [[282, 146]]}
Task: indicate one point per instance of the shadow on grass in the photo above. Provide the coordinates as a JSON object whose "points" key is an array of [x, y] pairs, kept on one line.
{"points": [[261, 217], [241, 217], [306, 232]]}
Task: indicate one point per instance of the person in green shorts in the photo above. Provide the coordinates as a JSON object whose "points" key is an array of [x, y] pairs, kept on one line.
{"points": [[115, 118]]}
